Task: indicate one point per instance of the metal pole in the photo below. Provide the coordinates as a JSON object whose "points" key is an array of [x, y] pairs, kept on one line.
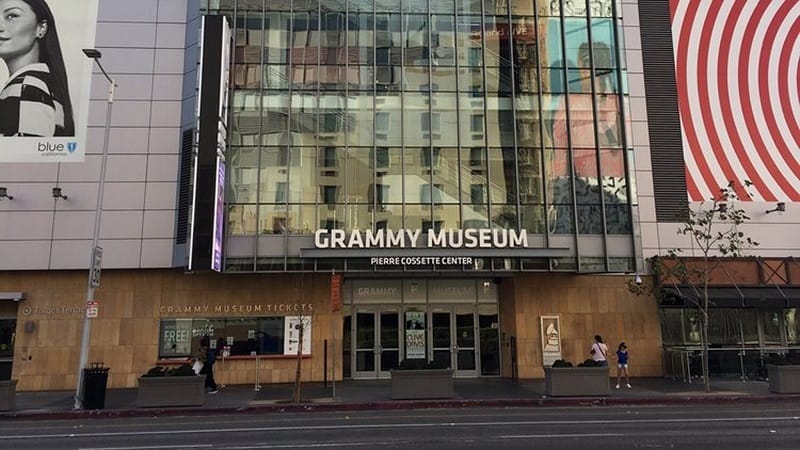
{"points": [[87, 322]]}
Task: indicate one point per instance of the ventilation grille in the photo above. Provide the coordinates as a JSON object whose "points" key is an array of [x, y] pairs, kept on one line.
{"points": [[663, 117], [185, 188]]}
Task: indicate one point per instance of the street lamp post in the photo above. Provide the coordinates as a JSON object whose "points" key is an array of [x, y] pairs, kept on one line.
{"points": [[96, 252]]}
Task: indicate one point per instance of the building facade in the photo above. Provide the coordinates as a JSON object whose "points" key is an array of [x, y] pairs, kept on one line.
{"points": [[467, 182]]}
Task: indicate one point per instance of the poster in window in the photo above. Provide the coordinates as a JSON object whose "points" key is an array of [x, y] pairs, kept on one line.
{"points": [[551, 340], [176, 338], [415, 335], [291, 341]]}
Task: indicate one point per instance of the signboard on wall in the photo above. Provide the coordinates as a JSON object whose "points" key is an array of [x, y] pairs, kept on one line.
{"points": [[46, 121], [291, 338], [219, 217], [551, 339]]}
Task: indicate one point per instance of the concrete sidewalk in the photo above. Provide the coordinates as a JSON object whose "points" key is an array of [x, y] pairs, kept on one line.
{"points": [[361, 395]]}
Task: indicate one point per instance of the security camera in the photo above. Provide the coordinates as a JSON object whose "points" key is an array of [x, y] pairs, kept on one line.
{"points": [[637, 279]]}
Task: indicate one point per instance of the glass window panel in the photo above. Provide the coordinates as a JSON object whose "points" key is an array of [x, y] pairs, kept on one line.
{"points": [[553, 81], [529, 160], [590, 219], [275, 77], [475, 217], [359, 174], [500, 121], [497, 49], [468, 41], [443, 41], [560, 219], [527, 120], [602, 8], [361, 120], [532, 218], [446, 217], [469, 7], [470, 80], [472, 134], [269, 335], [241, 220], [547, 7], [502, 175], [247, 76], [554, 116], [618, 218], [550, 44], [302, 175], [603, 44], [444, 117], [577, 40], [792, 320], [7, 337], [609, 121], [415, 114], [443, 79], [581, 116], [388, 120], [505, 216], [242, 175], [447, 175]]}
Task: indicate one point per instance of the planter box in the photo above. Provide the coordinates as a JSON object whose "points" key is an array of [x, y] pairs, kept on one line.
{"points": [[171, 391], [576, 381], [422, 384], [8, 394], [784, 379]]}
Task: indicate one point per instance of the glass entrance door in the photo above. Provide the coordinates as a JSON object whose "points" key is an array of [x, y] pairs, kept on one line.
{"points": [[453, 339], [377, 342]]}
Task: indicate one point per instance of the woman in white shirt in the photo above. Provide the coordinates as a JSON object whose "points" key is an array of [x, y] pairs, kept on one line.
{"points": [[599, 351]]}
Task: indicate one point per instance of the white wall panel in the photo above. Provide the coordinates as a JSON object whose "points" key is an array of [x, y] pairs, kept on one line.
{"points": [[166, 114], [168, 87], [127, 11], [26, 225], [159, 224], [74, 225], [124, 196], [126, 167], [161, 195], [170, 35], [162, 167], [165, 141], [24, 255], [169, 61], [157, 252], [121, 225], [172, 10], [130, 35]]}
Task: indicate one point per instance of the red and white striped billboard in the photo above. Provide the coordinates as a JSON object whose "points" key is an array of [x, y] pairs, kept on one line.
{"points": [[739, 95]]}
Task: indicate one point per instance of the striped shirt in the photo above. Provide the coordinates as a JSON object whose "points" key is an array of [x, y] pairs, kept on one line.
{"points": [[27, 104]]}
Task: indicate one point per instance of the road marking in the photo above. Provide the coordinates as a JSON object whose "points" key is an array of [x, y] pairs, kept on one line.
{"points": [[147, 447], [396, 425], [533, 436], [330, 444]]}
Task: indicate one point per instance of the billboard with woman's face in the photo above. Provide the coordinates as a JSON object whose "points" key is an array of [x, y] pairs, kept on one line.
{"points": [[45, 79]]}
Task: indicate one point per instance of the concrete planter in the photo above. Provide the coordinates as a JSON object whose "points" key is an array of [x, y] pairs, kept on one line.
{"points": [[576, 381], [422, 384], [171, 391], [8, 395], [784, 379]]}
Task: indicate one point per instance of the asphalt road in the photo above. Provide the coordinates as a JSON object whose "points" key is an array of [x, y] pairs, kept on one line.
{"points": [[732, 426]]}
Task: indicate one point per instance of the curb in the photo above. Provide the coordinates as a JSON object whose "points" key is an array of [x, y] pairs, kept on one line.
{"points": [[545, 402]]}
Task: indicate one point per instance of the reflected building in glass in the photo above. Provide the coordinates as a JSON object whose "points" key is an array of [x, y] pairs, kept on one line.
{"points": [[428, 115]]}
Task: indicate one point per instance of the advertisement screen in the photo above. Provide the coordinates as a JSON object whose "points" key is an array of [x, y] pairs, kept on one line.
{"points": [[45, 79], [219, 217]]}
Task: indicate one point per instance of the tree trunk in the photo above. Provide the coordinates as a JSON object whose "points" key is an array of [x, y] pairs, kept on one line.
{"points": [[704, 339], [299, 362]]}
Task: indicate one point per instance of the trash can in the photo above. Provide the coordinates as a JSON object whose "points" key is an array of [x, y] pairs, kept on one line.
{"points": [[95, 379]]}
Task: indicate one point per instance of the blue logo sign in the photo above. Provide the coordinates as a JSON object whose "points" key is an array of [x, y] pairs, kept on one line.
{"points": [[72, 146]]}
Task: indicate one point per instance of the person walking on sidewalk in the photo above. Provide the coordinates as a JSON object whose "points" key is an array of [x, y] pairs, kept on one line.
{"points": [[622, 365], [599, 351], [207, 356]]}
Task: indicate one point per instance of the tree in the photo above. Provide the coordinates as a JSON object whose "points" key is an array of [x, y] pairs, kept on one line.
{"points": [[713, 229]]}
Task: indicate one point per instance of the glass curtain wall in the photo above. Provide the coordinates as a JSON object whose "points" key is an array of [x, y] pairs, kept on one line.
{"points": [[423, 114]]}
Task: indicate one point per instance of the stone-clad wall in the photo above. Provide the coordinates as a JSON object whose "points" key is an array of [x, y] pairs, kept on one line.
{"points": [[125, 335], [587, 305]]}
